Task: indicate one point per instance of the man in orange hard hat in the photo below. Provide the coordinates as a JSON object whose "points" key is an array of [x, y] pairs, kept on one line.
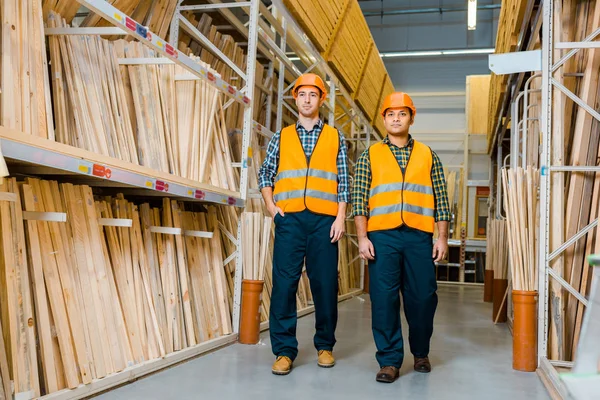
{"points": [[399, 194], [304, 182]]}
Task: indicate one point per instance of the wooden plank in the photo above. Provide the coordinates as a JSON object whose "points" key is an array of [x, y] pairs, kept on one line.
{"points": [[5, 389], [52, 374], [183, 275], [98, 335], [14, 264], [55, 289], [220, 280]]}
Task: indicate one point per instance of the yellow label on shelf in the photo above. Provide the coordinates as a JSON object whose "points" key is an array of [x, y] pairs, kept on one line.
{"points": [[149, 184], [118, 17], [190, 192], [159, 43], [84, 168], [249, 152]]}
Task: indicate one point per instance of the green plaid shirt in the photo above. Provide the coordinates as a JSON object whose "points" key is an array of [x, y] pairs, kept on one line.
{"points": [[362, 181]]}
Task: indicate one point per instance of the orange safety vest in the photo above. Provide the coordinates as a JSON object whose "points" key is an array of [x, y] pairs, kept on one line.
{"points": [[308, 182], [399, 198]]}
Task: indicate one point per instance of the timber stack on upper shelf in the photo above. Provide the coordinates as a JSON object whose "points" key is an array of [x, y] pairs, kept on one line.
{"points": [[340, 33]]}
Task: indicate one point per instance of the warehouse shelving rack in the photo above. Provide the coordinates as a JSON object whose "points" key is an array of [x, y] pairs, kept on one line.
{"points": [[552, 167], [33, 155]]}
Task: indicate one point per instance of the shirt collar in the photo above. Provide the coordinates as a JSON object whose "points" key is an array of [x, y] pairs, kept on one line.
{"points": [[319, 125], [386, 140]]}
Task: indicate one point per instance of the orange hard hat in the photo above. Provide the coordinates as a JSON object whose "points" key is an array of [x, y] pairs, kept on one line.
{"points": [[310, 80], [398, 100]]}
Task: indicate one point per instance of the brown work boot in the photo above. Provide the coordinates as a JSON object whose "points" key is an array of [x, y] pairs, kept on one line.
{"points": [[422, 364], [326, 359], [387, 374], [282, 366]]}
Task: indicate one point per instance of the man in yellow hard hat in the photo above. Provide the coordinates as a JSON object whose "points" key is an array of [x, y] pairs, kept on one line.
{"points": [[399, 194], [304, 182]]}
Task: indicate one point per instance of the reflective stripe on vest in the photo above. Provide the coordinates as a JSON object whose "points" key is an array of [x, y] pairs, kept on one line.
{"points": [[299, 186], [398, 198]]}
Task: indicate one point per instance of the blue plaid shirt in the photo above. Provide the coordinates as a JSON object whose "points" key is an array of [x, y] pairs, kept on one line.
{"points": [[268, 170]]}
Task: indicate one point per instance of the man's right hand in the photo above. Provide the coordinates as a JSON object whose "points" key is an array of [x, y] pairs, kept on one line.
{"points": [[274, 210], [366, 249]]}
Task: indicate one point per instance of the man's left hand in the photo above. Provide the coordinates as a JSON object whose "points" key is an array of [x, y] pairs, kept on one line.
{"points": [[440, 249], [338, 229]]}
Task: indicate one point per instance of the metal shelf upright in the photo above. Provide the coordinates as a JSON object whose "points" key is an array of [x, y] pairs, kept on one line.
{"points": [[552, 168]]}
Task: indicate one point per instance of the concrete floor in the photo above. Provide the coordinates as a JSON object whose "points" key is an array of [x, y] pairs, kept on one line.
{"points": [[471, 359]]}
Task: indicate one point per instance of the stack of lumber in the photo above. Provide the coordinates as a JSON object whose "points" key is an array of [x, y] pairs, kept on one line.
{"points": [[25, 102], [340, 32], [509, 25], [522, 224], [18, 357], [582, 194], [478, 94], [102, 285], [256, 234], [234, 114], [67, 8], [318, 19], [90, 103], [574, 142], [154, 115], [368, 94], [496, 256], [156, 15], [350, 44]]}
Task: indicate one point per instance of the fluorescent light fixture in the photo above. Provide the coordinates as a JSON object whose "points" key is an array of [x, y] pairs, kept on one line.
{"points": [[411, 54], [472, 15], [427, 53], [294, 58]]}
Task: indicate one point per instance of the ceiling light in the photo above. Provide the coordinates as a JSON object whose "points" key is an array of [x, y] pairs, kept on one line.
{"points": [[427, 53], [472, 15]]}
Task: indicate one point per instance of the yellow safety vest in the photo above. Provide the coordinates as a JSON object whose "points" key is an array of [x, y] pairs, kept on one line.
{"points": [[399, 198], [308, 182]]}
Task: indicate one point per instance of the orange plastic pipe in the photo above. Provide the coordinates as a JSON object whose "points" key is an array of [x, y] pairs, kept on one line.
{"points": [[525, 330], [250, 311]]}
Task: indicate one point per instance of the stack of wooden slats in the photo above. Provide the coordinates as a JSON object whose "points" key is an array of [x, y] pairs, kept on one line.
{"points": [[368, 94], [90, 103], [582, 195], [113, 286], [340, 32], [135, 112], [228, 46], [25, 102], [316, 19], [522, 225], [348, 53], [18, 358], [155, 14]]}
